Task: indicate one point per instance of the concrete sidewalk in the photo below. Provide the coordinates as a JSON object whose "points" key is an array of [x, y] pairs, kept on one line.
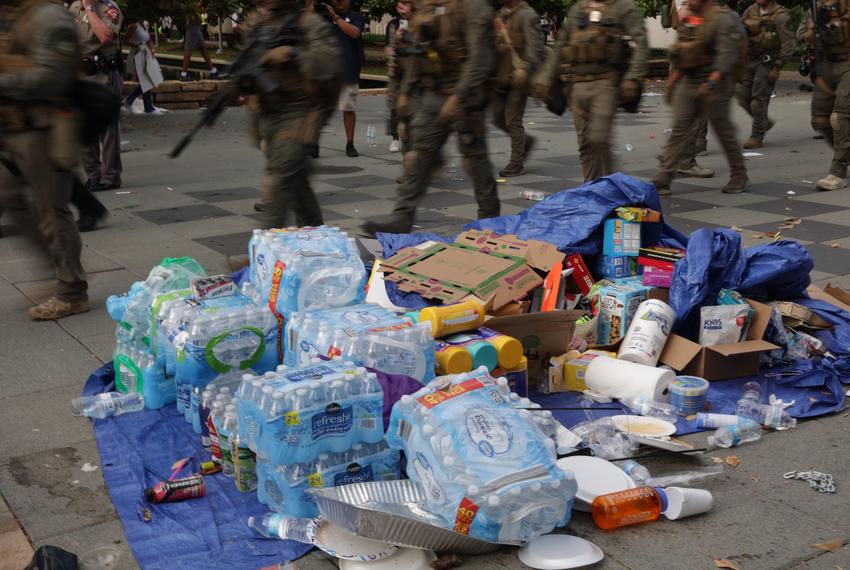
{"points": [[202, 206]]}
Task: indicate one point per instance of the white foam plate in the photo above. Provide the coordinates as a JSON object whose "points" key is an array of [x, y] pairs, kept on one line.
{"points": [[594, 477], [559, 551], [643, 425], [338, 542], [404, 559]]}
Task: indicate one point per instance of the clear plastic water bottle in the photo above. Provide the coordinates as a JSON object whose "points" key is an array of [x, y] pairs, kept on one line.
{"points": [[651, 408], [751, 391], [733, 436], [639, 474], [107, 404], [274, 525], [370, 135], [771, 416], [707, 420], [225, 432]]}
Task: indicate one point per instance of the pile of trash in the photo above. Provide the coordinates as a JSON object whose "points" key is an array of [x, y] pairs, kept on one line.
{"points": [[291, 379]]}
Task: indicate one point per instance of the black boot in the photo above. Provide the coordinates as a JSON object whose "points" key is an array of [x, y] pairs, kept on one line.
{"points": [[387, 225], [91, 209]]}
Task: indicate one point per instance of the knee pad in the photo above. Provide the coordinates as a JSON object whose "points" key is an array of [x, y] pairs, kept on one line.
{"points": [[834, 121]]}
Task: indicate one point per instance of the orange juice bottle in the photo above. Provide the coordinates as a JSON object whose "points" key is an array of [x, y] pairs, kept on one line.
{"points": [[632, 506]]}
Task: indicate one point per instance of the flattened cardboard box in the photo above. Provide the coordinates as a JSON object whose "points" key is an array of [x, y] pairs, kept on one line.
{"points": [[497, 268]]}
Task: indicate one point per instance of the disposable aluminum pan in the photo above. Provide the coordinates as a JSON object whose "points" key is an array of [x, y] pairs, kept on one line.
{"points": [[362, 508]]}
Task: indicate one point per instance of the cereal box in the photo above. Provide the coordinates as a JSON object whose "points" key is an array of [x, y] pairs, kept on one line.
{"points": [[617, 305]]}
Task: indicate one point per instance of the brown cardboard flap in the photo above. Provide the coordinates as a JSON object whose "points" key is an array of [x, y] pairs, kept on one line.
{"points": [[760, 321], [538, 254], [679, 352], [744, 347], [832, 295], [794, 315]]}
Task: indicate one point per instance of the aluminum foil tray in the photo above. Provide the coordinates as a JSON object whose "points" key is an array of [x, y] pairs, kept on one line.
{"points": [[392, 511]]}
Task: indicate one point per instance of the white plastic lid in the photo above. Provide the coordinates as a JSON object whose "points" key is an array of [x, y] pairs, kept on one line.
{"points": [[683, 502], [558, 551]]}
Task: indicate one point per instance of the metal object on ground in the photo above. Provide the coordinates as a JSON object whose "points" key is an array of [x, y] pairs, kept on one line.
{"points": [[821, 482]]}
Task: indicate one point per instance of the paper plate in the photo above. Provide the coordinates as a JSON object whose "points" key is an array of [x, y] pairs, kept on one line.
{"points": [[665, 442], [559, 551], [404, 559], [643, 425], [338, 542], [594, 477]]}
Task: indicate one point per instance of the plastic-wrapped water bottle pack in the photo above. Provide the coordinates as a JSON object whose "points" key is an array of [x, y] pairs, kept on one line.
{"points": [[306, 268], [294, 415], [368, 335], [282, 486], [488, 468]]}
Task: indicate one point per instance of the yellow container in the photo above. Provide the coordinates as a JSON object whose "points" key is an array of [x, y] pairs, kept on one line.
{"points": [[449, 319], [509, 349], [453, 360]]}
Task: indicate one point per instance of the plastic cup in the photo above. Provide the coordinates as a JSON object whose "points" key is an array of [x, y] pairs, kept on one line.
{"points": [[683, 502]]}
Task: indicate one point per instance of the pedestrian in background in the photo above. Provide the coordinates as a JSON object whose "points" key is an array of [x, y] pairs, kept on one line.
{"points": [[396, 29], [98, 25], [143, 65], [193, 40], [349, 29]]}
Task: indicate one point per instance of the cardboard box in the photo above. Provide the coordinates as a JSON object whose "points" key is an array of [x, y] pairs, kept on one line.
{"points": [[616, 266], [517, 377], [542, 335], [834, 295], [581, 277], [574, 369], [655, 277], [798, 316], [620, 237], [635, 214], [617, 305], [491, 267]]}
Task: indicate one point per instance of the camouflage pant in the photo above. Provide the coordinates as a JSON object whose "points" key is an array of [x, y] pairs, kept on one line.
{"points": [[688, 104], [593, 104], [696, 143], [48, 219], [430, 136], [508, 110], [286, 181], [754, 93], [831, 114]]}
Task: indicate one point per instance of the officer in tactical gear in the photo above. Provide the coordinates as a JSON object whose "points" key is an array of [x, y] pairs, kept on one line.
{"points": [[38, 141], [831, 96], [519, 51], [705, 58], [447, 91], [602, 53], [771, 46]]}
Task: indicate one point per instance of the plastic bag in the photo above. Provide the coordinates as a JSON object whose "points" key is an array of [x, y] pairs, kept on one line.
{"points": [[778, 270]]}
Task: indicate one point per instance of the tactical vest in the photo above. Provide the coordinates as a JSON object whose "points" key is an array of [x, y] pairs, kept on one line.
{"points": [[512, 22], [438, 27], [835, 31], [287, 75], [762, 30], [694, 48], [595, 46]]}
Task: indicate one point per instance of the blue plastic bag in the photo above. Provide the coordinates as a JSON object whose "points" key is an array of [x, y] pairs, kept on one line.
{"points": [[778, 270]]}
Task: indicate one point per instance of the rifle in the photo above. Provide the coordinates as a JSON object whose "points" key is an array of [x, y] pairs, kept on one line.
{"points": [[246, 74], [816, 58]]}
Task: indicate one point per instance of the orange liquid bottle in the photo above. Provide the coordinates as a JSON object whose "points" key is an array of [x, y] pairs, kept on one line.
{"points": [[633, 506]]}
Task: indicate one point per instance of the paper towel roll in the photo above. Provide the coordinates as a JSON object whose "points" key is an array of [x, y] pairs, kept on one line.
{"points": [[621, 379]]}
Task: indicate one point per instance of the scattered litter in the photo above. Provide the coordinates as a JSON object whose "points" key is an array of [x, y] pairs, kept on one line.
{"points": [[124, 192], [773, 235], [758, 236], [124, 142], [35, 429], [829, 545], [530, 122], [820, 482], [733, 461], [629, 147], [146, 515], [652, 136], [790, 223], [748, 154], [737, 229], [835, 245], [755, 478], [788, 210], [668, 131], [559, 551], [532, 195], [501, 180], [75, 482], [169, 188], [102, 557], [87, 467], [723, 563]]}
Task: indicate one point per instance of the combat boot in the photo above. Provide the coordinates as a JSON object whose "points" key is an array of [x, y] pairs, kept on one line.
{"points": [[53, 309], [736, 185], [831, 182], [394, 224], [530, 143], [512, 169], [752, 143], [695, 171]]}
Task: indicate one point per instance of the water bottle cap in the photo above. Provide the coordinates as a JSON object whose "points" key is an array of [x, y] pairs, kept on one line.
{"points": [[536, 486], [663, 495], [427, 429], [278, 395], [357, 447], [224, 390], [448, 461], [301, 392], [267, 390], [324, 456], [246, 378], [472, 490], [493, 501]]}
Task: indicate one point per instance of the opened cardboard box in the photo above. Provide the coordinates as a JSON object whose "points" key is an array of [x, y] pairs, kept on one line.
{"points": [[498, 268]]}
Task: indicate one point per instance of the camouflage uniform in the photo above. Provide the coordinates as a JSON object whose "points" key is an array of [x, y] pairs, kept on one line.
{"points": [[519, 51], [706, 43], [101, 161], [831, 97], [591, 55], [771, 45], [38, 143], [448, 83], [290, 117]]}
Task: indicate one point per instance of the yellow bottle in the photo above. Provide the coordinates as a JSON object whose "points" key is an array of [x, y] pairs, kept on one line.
{"points": [[453, 360], [449, 319]]}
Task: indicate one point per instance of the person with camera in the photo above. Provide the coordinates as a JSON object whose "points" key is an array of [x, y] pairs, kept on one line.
{"points": [[98, 25], [38, 142]]}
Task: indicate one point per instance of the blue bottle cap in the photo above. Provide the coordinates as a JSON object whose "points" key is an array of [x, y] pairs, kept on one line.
{"points": [[663, 494]]}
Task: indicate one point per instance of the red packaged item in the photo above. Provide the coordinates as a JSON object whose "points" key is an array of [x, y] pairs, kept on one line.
{"points": [[580, 275]]}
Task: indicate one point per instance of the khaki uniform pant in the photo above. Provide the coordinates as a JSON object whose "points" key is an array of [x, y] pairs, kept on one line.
{"points": [[696, 143], [102, 160], [831, 114], [754, 93], [43, 211], [428, 140], [688, 104], [593, 104], [508, 111]]}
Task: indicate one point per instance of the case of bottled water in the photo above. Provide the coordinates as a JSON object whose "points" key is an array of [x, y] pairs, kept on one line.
{"points": [[215, 336], [366, 334], [488, 468], [282, 487], [302, 268], [294, 415]]}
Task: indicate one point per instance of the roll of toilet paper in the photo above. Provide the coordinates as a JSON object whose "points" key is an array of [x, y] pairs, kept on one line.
{"points": [[621, 379]]}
